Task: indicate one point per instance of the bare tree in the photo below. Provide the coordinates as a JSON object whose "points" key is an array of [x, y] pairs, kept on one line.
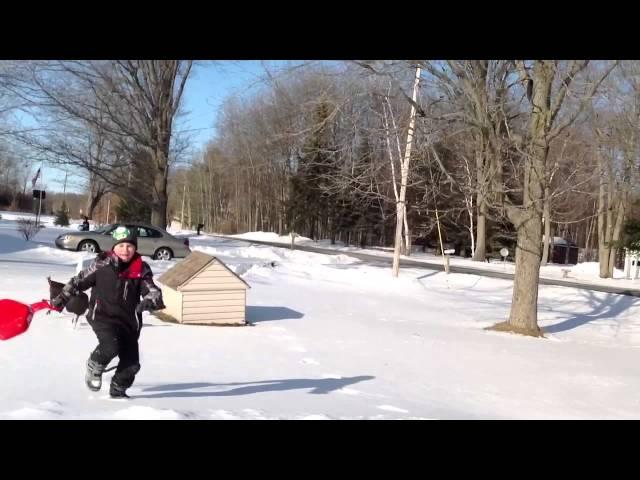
{"points": [[475, 93], [134, 102], [544, 124], [617, 156], [553, 167], [401, 208]]}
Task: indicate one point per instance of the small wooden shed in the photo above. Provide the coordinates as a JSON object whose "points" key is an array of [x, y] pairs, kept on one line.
{"points": [[202, 289]]}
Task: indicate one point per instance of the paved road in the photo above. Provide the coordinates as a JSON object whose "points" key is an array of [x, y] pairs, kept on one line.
{"points": [[452, 268]]}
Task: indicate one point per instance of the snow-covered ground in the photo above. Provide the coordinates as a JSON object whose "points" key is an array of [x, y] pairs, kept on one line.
{"points": [[46, 220], [332, 338]]}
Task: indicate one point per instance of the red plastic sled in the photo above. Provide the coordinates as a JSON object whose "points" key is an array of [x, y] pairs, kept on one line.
{"points": [[15, 317]]}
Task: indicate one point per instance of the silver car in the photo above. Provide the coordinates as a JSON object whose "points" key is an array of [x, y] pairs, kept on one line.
{"points": [[152, 241]]}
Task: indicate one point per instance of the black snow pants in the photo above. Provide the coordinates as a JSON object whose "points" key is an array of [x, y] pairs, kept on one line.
{"points": [[116, 340]]}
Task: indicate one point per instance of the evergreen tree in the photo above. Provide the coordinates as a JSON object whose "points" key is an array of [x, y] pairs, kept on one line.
{"points": [[62, 216]]}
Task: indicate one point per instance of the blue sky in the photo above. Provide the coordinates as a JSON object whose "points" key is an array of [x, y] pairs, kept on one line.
{"points": [[210, 83]]}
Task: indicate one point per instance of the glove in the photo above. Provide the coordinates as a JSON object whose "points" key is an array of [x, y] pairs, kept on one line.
{"points": [[60, 301], [145, 304], [150, 305]]}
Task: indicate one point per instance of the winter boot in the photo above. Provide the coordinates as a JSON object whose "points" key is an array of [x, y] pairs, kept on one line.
{"points": [[93, 377], [117, 391]]}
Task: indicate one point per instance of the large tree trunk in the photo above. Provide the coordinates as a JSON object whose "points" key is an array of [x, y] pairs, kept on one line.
{"points": [[93, 202], [160, 194], [603, 255], [96, 192], [161, 151], [480, 253], [523, 317]]}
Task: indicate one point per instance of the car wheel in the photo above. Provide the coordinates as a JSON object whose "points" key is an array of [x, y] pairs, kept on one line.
{"points": [[163, 254], [88, 246]]}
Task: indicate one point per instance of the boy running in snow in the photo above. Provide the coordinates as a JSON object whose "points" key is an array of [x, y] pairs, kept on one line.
{"points": [[118, 280]]}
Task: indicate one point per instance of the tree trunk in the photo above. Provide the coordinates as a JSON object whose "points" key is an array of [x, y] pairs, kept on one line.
{"points": [[611, 211], [469, 204], [524, 306], [160, 193], [202, 202], [94, 200], [480, 253], [603, 255], [547, 227], [184, 193], [615, 235], [211, 199], [589, 240], [282, 213], [189, 209], [609, 227], [256, 216], [407, 233], [523, 317], [400, 206]]}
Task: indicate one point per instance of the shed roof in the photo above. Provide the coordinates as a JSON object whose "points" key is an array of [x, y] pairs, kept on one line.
{"points": [[188, 268]]}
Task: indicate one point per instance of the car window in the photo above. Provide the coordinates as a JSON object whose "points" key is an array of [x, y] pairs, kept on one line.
{"points": [[154, 233], [143, 232], [103, 228]]}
